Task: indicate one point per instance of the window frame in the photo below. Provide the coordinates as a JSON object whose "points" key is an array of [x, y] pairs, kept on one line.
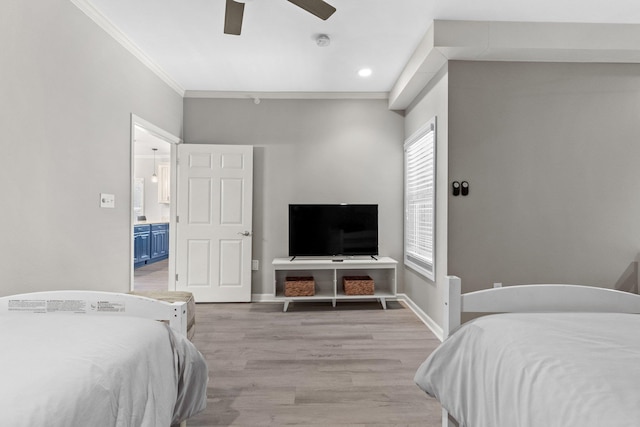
{"points": [[420, 262]]}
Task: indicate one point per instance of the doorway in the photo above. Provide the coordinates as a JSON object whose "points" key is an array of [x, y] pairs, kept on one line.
{"points": [[153, 213]]}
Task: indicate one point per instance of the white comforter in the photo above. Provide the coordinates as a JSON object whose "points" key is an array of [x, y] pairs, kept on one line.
{"points": [[96, 371], [539, 370]]}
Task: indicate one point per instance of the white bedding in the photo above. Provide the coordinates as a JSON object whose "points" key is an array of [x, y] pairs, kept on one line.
{"points": [[539, 370], [75, 370]]}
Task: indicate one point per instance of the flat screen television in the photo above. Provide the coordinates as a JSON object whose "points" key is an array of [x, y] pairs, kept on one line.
{"points": [[333, 230]]}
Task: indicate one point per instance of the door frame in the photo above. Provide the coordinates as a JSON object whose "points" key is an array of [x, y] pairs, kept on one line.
{"points": [[173, 142]]}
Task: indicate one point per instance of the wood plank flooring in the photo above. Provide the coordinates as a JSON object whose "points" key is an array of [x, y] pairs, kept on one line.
{"points": [[314, 365], [152, 277]]}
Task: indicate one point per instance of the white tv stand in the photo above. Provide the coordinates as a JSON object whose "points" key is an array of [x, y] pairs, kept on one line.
{"points": [[328, 275]]}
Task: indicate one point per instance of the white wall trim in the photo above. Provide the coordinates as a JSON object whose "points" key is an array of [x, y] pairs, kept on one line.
{"points": [[284, 95], [173, 140], [121, 38], [264, 298], [512, 41], [431, 324], [155, 130]]}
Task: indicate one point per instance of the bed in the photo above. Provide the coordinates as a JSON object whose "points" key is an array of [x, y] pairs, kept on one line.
{"points": [[555, 355], [86, 358]]}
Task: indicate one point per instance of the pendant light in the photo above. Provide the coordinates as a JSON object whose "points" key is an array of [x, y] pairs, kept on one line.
{"points": [[154, 177]]}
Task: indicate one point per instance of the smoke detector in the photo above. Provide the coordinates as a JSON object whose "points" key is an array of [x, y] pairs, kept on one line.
{"points": [[323, 40]]}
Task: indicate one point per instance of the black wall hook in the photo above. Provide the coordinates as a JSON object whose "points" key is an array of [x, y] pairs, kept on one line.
{"points": [[465, 188], [455, 185]]}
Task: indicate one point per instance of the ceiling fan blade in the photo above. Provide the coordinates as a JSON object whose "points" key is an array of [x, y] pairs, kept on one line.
{"points": [[233, 17], [319, 8]]}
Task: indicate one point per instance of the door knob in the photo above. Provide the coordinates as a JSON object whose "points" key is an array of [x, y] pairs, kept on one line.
{"points": [[244, 233]]}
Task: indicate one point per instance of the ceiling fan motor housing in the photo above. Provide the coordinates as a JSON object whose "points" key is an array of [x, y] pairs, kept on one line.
{"points": [[235, 10]]}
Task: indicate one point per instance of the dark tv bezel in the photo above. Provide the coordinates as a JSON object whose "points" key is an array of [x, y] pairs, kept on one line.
{"points": [[330, 255]]}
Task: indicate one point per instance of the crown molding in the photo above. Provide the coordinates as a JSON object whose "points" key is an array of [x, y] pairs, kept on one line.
{"points": [[120, 37], [512, 41], [284, 95]]}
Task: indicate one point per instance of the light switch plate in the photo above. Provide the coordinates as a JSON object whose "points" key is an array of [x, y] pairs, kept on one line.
{"points": [[107, 200], [255, 265]]}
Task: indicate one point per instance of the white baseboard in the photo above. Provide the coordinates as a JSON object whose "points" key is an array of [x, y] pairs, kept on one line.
{"points": [[264, 298], [431, 324]]}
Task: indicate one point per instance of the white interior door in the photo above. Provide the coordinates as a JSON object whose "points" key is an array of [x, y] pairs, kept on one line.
{"points": [[214, 208]]}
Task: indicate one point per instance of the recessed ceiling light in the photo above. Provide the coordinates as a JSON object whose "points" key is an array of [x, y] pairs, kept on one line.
{"points": [[364, 72]]}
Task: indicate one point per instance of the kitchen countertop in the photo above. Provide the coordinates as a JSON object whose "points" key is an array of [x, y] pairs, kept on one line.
{"points": [[150, 222]]}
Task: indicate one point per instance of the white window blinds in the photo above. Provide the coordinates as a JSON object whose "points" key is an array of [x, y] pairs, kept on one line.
{"points": [[419, 231]]}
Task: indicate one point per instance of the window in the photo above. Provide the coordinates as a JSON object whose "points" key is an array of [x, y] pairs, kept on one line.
{"points": [[419, 200]]}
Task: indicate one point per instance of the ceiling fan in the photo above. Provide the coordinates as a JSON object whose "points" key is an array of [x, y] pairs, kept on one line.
{"points": [[235, 10]]}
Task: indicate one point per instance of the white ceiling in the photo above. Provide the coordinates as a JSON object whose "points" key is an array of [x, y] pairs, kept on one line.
{"points": [[277, 51]]}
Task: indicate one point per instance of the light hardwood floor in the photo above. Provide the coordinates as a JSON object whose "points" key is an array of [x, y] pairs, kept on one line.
{"points": [[314, 365], [152, 277]]}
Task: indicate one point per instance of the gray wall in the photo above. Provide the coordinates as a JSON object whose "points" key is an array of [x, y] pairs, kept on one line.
{"points": [[67, 91], [551, 153], [308, 151], [433, 101]]}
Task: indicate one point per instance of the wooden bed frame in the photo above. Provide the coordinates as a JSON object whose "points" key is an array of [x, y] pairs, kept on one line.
{"points": [[538, 298], [97, 303]]}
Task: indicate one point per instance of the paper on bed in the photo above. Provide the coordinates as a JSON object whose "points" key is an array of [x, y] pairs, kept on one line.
{"points": [[88, 371], [551, 369]]}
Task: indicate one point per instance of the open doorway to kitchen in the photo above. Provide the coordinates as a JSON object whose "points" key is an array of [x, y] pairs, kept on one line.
{"points": [[152, 211]]}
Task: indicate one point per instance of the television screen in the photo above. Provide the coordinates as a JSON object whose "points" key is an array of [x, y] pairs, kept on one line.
{"points": [[330, 230]]}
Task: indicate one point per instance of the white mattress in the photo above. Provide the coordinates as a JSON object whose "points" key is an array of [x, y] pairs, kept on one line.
{"points": [[96, 371], [539, 370]]}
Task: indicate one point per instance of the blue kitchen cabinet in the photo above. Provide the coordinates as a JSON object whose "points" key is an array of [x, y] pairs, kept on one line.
{"points": [[159, 241], [150, 243], [141, 244]]}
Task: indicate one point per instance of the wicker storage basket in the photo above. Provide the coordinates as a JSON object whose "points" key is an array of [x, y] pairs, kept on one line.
{"points": [[299, 287], [358, 285]]}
